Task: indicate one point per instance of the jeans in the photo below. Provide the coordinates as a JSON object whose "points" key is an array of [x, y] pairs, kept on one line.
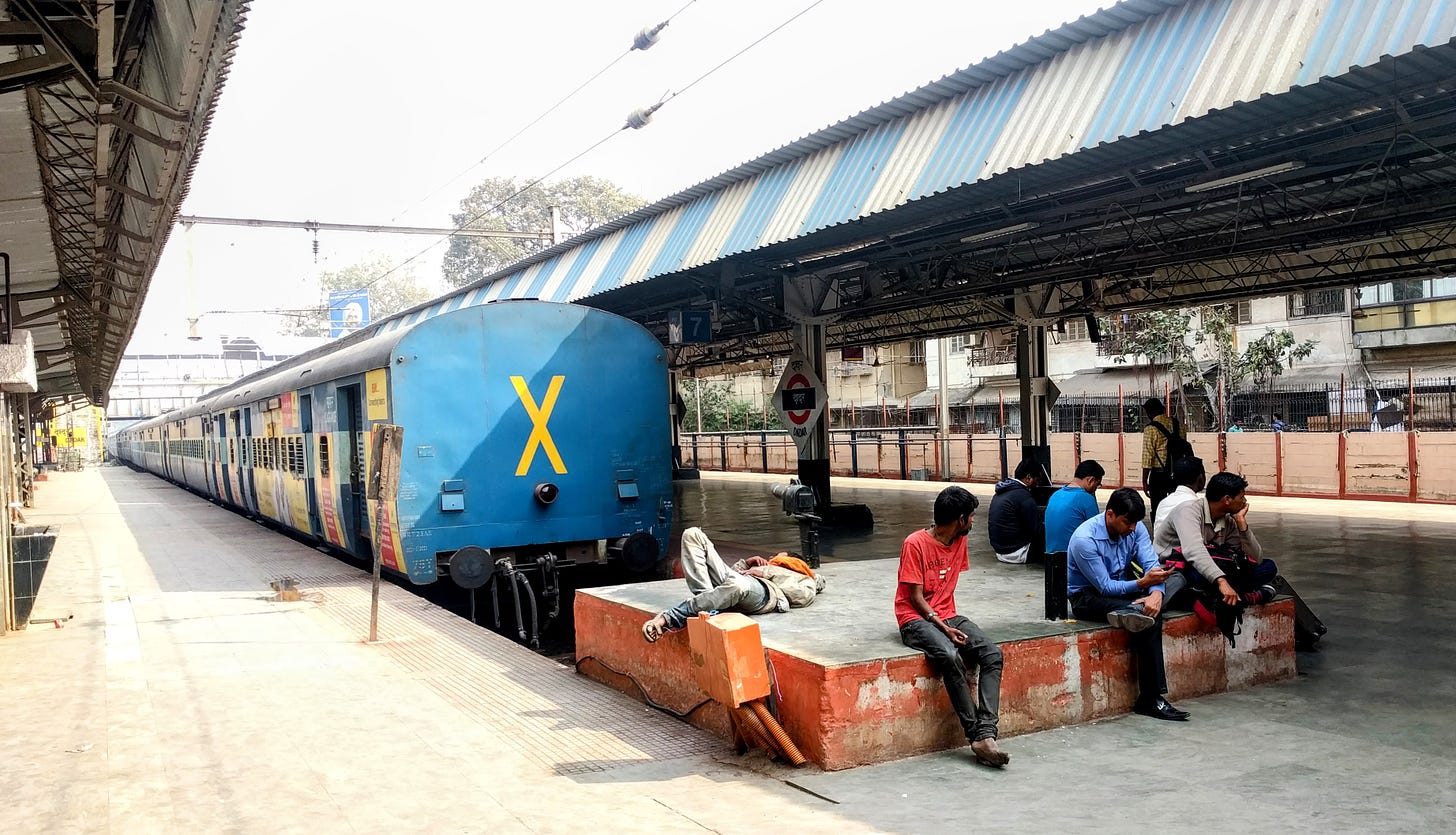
{"points": [[978, 719], [743, 594], [1147, 645], [702, 567], [715, 586], [1263, 573]]}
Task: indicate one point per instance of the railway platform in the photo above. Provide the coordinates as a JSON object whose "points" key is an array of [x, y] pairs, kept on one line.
{"points": [[169, 690]]}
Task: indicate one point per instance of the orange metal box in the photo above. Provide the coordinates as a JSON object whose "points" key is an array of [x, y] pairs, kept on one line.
{"points": [[728, 657]]}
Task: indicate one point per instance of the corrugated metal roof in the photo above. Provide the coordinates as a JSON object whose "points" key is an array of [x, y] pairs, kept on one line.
{"points": [[1133, 69], [87, 150]]}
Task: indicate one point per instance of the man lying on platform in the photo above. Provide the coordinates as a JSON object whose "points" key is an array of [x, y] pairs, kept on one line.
{"points": [[754, 586], [1099, 588], [931, 562]]}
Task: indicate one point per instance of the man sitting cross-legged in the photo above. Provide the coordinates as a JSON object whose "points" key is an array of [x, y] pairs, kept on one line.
{"points": [[753, 586]]}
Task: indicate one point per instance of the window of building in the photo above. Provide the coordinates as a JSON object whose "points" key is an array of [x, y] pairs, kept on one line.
{"points": [[1406, 290], [917, 352], [1076, 330], [1239, 313], [958, 344], [1317, 303]]}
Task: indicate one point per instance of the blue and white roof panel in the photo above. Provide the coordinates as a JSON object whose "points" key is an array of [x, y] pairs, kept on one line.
{"points": [[1138, 66]]}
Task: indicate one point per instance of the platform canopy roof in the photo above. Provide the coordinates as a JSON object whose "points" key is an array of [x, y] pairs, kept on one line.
{"points": [[103, 110], [1158, 152]]}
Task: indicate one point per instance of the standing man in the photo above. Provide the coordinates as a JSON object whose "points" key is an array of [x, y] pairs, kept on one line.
{"points": [[1164, 440], [1072, 505], [931, 562], [1099, 589], [1015, 526], [1278, 422]]}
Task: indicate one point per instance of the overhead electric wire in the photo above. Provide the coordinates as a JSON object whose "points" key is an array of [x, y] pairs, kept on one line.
{"points": [[633, 122], [731, 58], [483, 212], [547, 112]]}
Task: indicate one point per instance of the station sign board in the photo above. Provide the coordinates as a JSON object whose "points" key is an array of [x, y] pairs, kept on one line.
{"points": [[799, 399]]}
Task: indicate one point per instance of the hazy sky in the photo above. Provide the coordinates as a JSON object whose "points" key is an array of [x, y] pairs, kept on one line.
{"points": [[356, 110]]}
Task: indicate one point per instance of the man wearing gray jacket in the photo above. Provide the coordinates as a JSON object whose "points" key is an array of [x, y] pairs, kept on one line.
{"points": [[1217, 521], [753, 586]]}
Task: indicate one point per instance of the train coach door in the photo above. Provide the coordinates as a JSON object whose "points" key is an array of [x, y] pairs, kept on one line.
{"points": [[305, 414], [351, 419], [239, 460], [222, 455]]}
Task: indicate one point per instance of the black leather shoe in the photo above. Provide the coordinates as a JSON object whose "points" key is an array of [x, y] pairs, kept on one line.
{"points": [[1160, 708]]}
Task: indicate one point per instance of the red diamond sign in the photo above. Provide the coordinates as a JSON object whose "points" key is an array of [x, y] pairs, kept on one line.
{"points": [[800, 399]]}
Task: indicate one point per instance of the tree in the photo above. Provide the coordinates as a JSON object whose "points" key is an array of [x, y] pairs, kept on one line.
{"points": [[721, 411], [391, 289], [583, 203], [1174, 338]]}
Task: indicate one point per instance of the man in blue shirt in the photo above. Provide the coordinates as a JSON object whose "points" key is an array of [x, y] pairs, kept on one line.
{"points": [[1072, 505], [1099, 588]]}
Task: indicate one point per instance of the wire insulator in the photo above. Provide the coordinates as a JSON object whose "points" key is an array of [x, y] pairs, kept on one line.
{"points": [[639, 118], [648, 37]]}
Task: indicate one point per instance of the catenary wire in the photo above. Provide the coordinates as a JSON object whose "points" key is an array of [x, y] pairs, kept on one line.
{"points": [[542, 115], [649, 111]]}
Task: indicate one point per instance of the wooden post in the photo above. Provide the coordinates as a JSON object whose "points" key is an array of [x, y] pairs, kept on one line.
{"points": [[1278, 463], [1222, 422], [1410, 399], [1342, 402], [385, 448], [1121, 441]]}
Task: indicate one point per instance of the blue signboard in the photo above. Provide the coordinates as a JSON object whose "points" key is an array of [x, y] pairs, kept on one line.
{"points": [[348, 311], [689, 327]]}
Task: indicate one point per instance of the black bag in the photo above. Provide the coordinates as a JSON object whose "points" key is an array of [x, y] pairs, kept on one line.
{"points": [[1178, 447], [1236, 565], [1308, 628]]}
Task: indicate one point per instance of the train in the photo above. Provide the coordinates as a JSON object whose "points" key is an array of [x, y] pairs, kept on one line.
{"points": [[533, 436]]}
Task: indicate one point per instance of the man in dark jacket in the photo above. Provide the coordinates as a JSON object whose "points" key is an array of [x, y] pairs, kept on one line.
{"points": [[1014, 521]]}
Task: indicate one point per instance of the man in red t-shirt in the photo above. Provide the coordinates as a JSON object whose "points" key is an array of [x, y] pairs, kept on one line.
{"points": [[931, 561]]}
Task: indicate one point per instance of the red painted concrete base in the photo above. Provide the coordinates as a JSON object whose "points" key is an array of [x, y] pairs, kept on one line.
{"points": [[867, 712]]}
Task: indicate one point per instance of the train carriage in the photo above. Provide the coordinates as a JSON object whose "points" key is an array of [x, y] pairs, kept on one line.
{"points": [[535, 436]]}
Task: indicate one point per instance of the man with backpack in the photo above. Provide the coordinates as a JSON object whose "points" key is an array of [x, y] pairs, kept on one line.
{"points": [[1165, 440]]}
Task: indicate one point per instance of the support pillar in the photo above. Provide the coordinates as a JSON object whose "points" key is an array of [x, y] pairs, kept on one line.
{"points": [[1037, 394], [676, 409], [814, 459]]}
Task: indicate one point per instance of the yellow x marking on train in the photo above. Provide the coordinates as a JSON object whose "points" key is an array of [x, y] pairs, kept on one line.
{"points": [[540, 435]]}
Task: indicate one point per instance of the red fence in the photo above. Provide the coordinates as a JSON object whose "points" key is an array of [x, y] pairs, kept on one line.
{"points": [[1348, 465]]}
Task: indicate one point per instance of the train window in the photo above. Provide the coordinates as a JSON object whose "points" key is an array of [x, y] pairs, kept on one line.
{"points": [[323, 446]]}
